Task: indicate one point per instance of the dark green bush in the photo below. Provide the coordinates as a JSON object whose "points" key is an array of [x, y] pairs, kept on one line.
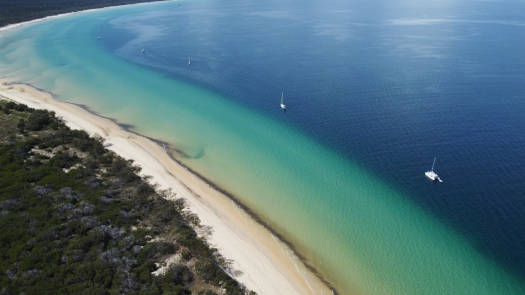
{"points": [[37, 120], [21, 125]]}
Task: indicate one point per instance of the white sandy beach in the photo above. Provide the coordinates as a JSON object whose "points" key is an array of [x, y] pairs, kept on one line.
{"points": [[262, 262]]}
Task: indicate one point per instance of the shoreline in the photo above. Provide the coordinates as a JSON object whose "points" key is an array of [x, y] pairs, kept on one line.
{"points": [[169, 149], [307, 279], [50, 17], [262, 259]]}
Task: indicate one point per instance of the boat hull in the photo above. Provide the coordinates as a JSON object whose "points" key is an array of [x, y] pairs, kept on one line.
{"points": [[433, 176]]}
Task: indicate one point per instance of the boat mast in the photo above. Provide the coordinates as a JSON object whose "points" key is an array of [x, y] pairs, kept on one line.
{"points": [[282, 95], [433, 164]]}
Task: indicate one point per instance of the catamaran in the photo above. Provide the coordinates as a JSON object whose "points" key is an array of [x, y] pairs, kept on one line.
{"points": [[283, 106], [432, 175]]}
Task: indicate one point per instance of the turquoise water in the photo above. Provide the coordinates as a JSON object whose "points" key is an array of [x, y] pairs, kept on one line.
{"points": [[361, 230]]}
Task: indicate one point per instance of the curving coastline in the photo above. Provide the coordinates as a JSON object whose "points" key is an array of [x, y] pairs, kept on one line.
{"points": [[262, 259], [284, 270], [34, 21]]}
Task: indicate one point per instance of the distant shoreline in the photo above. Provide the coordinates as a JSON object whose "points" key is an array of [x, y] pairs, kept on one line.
{"points": [[55, 16], [25, 12]]}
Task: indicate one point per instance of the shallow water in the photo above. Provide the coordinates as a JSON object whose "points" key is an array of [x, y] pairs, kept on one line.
{"points": [[373, 95]]}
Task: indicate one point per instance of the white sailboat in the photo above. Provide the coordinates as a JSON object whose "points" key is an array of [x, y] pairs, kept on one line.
{"points": [[432, 175], [283, 106], [189, 61], [143, 51]]}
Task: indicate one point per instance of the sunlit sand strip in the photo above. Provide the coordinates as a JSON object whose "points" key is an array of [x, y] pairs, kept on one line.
{"points": [[262, 262]]}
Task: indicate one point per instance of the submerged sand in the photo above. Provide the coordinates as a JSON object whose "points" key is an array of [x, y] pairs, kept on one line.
{"points": [[260, 260]]}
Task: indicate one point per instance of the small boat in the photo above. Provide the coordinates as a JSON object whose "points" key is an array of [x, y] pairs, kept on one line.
{"points": [[189, 61], [98, 37], [283, 106], [143, 51], [432, 175]]}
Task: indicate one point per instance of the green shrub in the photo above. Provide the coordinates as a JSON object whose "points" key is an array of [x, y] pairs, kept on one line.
{"points": [[21, 125], [37, 120]]}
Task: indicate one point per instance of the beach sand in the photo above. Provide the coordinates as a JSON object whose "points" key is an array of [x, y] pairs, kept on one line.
{"points": [[260, 260]]}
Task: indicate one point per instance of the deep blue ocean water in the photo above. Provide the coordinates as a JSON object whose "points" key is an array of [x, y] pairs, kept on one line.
{"points": [[389, 85]]}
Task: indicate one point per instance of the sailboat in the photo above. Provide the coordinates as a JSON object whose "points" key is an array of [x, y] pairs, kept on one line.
{"points": [[143, 51], [283, 106], [189, 61], [432, 175]]}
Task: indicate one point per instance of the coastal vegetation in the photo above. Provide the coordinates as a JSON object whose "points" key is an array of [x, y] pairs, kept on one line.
{"points": [[18, 11], [76, 218]]}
